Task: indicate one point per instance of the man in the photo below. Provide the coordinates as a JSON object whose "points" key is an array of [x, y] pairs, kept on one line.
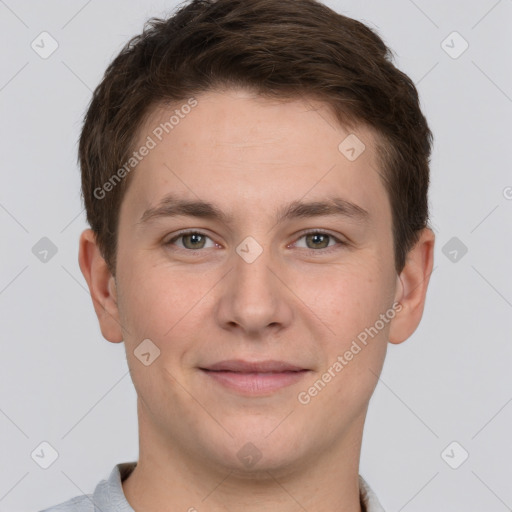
{"points": [[255, 174]]}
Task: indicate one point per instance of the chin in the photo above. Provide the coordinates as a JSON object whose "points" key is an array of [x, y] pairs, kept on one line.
{"points": [[253, 452]]}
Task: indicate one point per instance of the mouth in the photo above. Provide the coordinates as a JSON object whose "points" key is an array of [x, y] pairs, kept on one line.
{"points": [[254, 378]]}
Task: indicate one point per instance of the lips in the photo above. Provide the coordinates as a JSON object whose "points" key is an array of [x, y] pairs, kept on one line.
{"points": [[240, 366], [261, 378]]}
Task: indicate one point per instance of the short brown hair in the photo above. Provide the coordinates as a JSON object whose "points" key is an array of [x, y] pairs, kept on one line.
{"points": [[281, 49]]}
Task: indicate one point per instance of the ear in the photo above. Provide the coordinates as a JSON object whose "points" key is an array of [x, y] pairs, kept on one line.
{"points": [[102, 286], [412, 284]]}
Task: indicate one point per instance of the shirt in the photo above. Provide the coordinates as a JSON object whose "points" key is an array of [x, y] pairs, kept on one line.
{"points": [[109, 496]]}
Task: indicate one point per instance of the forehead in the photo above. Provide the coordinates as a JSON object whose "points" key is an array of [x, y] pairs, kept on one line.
{"points": [[241, 150]]}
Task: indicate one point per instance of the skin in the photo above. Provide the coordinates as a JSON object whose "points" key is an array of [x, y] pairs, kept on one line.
{"points": [[297, 302]]}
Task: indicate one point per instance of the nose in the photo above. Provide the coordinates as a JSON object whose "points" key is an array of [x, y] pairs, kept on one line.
{"points": [[254, 298]]}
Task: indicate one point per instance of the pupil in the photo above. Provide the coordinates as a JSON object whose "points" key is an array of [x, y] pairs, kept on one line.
{"points": [[318, 238], [194, 239]]}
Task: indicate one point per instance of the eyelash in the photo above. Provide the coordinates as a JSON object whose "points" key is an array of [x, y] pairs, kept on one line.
{"points": [[326, 250]]}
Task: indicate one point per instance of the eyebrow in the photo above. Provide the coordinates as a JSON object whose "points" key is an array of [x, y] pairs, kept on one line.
{"points": [[173, 206]]}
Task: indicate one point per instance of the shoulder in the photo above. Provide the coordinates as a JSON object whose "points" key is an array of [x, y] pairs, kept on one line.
{"points": [[368, 497], [82, 503], [107, 496]]}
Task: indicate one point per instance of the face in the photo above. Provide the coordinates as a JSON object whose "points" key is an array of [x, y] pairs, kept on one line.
{"points": [[260, 273]]}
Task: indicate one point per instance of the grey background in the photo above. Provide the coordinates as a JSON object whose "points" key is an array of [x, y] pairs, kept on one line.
{"points": [[62, 383]]}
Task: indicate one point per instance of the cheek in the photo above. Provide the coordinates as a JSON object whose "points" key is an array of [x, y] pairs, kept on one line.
{"points": [[355, 344], [153, 300], [347, 298], [170, 307], [159, 309]]}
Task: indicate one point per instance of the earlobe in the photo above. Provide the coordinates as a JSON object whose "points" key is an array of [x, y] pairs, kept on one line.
{"points": [[412, 285], [102, 286]]}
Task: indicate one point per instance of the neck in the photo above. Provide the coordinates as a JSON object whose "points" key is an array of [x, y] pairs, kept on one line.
{"points": [[168, 477]]}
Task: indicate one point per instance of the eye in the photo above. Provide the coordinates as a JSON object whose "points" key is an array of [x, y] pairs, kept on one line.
{"points": [[316, 240], [191, 240]]}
